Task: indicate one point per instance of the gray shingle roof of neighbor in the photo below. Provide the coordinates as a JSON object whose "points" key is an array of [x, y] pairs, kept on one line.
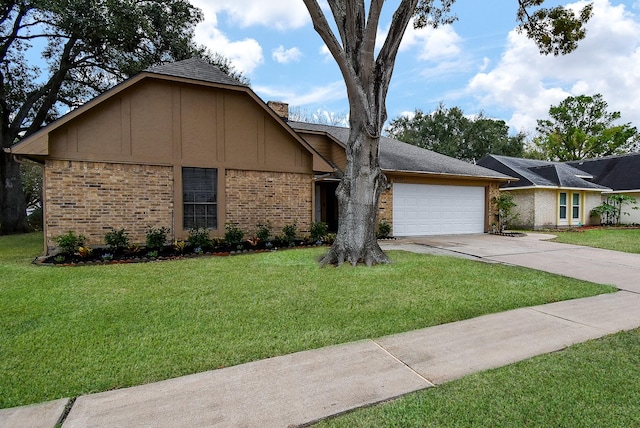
{"points": [[398, 156], [195, 69], [620, 172], [540, 173]]}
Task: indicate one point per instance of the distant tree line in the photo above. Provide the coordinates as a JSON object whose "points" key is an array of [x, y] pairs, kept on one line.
{"points": [[578, 128]]}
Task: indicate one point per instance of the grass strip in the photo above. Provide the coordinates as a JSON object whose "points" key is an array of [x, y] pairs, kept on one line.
{"points": [[609, 238], [592, 384]]}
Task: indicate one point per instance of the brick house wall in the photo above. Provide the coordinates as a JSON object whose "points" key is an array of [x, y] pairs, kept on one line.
{"points": [[255, 197], [90, 198], [385, 207]]}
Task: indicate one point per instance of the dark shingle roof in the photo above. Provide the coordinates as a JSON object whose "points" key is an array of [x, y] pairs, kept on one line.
{"points": [[195, 69], [616, 172], [398, 156], [533, 172]]}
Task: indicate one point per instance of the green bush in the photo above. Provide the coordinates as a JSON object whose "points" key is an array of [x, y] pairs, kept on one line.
{"points": [[117, 239], [199, 238], [289, 233], [264, 232], [384, 229], [233, 235], [69, 242], [610, 212], [505, 215], [318, 231], [156, 237]]}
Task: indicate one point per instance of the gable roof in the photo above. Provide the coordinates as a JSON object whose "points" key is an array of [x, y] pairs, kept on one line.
{"points": [[193, 70], [537, 173], [618, 173], [402, 157]]}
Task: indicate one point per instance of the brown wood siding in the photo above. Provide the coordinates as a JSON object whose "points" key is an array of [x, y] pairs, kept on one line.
{"points": [[170, 123], [328, 148]]}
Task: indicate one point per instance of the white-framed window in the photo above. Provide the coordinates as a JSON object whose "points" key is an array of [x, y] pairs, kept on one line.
{"points": [[562, 206], [575, 206], [200, 197]]}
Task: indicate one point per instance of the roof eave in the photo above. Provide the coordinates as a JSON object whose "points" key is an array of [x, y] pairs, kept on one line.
{"points": [[582, 189], [450, 175], [622, 191]]}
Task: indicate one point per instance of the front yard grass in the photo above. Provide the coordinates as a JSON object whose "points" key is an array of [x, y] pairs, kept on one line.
{"points": [[68, 331], [610, 238], [592, 384]]}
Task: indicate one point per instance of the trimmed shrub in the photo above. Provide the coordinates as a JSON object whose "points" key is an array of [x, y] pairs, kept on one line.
{"points": [[384, 229], [69, 242], [117, 239], [233, 235], [156, 237], [289, 233]]}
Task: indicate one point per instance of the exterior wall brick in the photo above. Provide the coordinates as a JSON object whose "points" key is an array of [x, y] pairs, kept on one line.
{"points": [[90, 198], [255, 197], [592, 200], [385, 207], [525, 208], [634, 215]]}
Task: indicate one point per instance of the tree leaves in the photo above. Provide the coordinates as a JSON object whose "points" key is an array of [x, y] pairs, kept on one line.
{"points": [[452, 133], [581, 127]]}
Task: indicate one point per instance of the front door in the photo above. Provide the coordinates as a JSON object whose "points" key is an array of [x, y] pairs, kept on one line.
{"points": [[569, 209], [327, 204], [576, 211], [563, 218]]}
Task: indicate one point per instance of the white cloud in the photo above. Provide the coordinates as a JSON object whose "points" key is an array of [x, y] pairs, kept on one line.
{"points": [[246, 55], [325, 53], [432, 44], [281, 14], [283, 56], [334, 91], [606, 62]]}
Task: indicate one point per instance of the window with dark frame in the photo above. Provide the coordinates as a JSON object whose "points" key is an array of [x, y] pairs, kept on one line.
{"points": [[200, 197]]}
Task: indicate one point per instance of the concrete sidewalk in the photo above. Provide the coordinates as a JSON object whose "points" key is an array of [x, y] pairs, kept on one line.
{"points": [[303, 387]]}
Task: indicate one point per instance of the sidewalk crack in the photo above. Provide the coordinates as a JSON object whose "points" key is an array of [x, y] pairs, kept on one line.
{"points": [[431, 384], [66, 411], [572, 321]]}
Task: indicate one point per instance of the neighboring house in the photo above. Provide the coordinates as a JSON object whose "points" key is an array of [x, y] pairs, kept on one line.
{"points": [[557, 194], [183, 145], [619, 173]]}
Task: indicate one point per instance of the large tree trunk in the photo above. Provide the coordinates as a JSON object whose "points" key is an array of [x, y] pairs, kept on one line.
{"points": [[358, 195], [13, 207]]}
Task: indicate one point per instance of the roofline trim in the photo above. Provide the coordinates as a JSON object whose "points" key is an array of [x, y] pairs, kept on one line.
{"points": [[582, 189], [622, 191], [450, 175]]}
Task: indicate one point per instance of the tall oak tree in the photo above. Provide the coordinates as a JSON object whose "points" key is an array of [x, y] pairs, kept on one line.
{"points": [[367, 74]]}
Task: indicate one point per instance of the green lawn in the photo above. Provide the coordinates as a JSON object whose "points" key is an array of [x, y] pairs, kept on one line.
{"points": [[610, 238], [68, 331], [593, 384]]}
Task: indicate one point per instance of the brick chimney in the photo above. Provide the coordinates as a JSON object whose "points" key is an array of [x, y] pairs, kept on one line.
{"points": [[281, 109]]}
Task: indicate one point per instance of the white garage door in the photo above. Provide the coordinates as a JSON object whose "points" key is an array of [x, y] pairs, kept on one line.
{"points": [[421, 209]]}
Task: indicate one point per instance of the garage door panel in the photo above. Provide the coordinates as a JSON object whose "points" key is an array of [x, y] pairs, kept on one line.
{"points": [[420, 209]]}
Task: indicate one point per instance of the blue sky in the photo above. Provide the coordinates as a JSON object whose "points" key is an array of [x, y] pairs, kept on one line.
{"points": [[478, 64]]}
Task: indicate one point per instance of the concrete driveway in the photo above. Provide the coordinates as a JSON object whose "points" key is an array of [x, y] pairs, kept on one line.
{"points": [[616, 268]]}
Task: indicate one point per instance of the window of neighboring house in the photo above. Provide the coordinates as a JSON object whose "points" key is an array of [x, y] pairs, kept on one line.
{"points": [[200, 197], [563, 206], [575, 206]]}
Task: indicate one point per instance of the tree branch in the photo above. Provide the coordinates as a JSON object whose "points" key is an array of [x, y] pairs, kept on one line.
{"points": [[386, 58]]}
